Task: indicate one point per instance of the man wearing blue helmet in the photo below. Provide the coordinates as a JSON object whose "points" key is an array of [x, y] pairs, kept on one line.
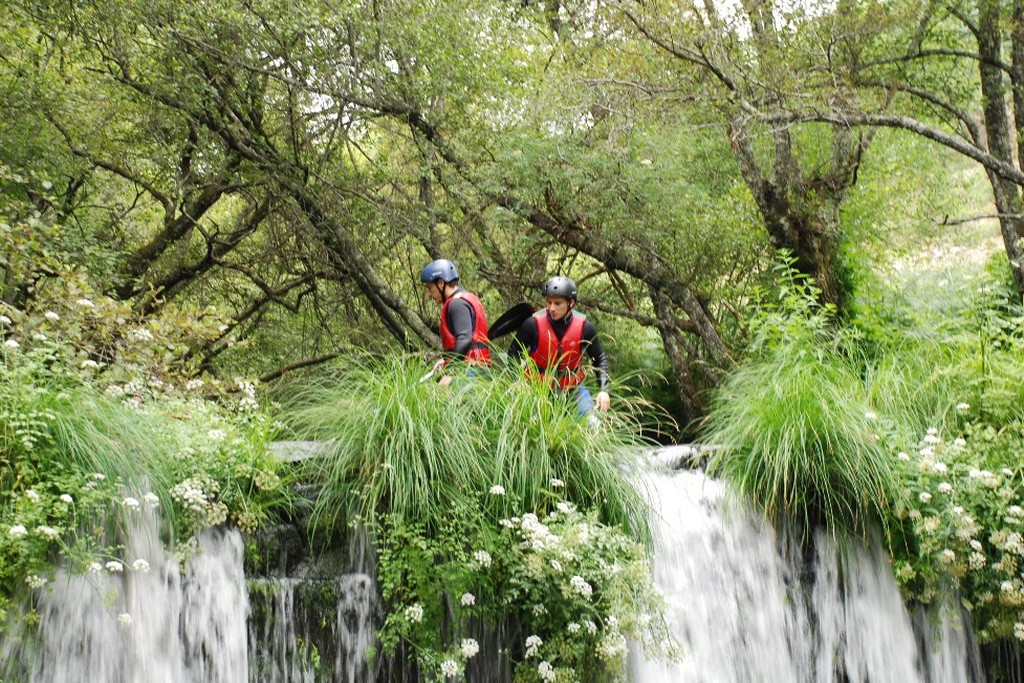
{"points": [[555, 340], [463, 321]]}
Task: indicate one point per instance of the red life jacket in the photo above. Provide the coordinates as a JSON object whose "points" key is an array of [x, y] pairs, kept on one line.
{"points": [[479, 351], [560, 361]]}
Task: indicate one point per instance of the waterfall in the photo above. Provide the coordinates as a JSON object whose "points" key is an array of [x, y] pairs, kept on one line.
{"points": [[747, 607], [146, 621], [744, 604]]}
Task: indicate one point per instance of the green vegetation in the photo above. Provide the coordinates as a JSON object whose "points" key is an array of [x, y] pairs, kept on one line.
{"points": [[909, 421], [197, 202], [795, 429], [493, 490]]}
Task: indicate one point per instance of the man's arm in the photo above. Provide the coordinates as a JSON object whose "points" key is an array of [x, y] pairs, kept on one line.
{"points": [[525, 339], [592, 343]]}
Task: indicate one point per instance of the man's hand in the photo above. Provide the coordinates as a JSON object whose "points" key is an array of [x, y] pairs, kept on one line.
{"points": [[603, 401]]}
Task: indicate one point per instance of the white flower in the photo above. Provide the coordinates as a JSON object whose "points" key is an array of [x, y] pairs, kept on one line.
{"points": [[903, 456], [927, 452], [591, 626], [1008, 472], [48, 531], [976, 561], [124, 619], [556, 565], [94, 567], [557, 483], [35, 581], [871, 416], [32, 495], [17, 531], [131, 503], [573, 627], [533, 644], [959, 442], [216, 435], [945, 487], [947, 556], [932, 439], [4, 320], [142, 334], [931, 431], [469, 648], [924, 496], [114, 567], [38, 337], [539, 610], [85, 303], [497, 490], [581, 586], [152, 500], [449, 668], [89, 365], [963, 407], [940, 467], [99, 475], [507, 523], [66, 497], [50, 315], [194, 384], [546, 671], [565, 508], [483, 557], [11, 344], [467, 600], [140, 565], [414, 613]]}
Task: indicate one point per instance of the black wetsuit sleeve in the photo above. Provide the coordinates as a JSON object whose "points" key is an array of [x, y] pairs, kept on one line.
{"points": [[523, 342], [592, 343], [460, 323]]}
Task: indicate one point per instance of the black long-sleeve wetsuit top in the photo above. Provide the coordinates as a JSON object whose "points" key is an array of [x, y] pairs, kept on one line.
{"points": [[526, 341]]}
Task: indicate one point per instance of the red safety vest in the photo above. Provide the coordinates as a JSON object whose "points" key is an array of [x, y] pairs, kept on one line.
{"points": [[479, 350], [565, 356]]}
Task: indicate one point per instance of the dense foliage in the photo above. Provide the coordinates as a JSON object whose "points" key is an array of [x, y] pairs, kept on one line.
{"points": [[490, 489], [101, 419]]}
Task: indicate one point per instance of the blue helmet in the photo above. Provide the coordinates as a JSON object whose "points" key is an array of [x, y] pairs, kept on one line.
{"points": [[441, 268]]}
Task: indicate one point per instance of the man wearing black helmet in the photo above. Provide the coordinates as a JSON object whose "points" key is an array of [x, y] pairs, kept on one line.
{"points": [[555, 339], [463, 321]]}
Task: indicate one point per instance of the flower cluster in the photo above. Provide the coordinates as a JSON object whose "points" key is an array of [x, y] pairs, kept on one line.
{"points": [[967, 526]]}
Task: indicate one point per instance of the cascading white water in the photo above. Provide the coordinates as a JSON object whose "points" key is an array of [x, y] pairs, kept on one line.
{"points": [[150, 624], [298, 614], [744, 606], [745, 610]]}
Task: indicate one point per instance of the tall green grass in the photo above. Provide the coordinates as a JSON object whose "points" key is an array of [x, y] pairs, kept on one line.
{"points": [[416, 449], [798, 441], [810, 423], [797, 436]]}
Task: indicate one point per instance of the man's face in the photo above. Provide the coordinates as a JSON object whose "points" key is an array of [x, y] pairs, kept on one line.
{"points": [[434, 292], [557, 307]]}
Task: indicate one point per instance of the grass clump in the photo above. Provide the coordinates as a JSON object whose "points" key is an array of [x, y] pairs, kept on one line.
{"points": [[414, 449], [797, 437]]}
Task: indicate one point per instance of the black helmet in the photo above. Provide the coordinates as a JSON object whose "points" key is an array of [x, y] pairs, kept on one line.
{"points": [[441, 268], [560, 286]]}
